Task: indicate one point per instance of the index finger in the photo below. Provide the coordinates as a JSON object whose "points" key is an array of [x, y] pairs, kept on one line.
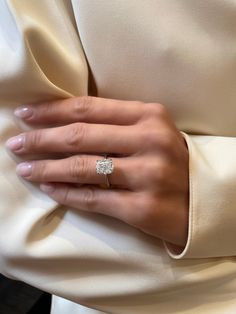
{"points": [[82, 109]]}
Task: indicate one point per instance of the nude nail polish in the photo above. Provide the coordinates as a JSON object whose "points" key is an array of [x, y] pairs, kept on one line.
{"points": [[23, 112], [24, 169], [15, 143]]}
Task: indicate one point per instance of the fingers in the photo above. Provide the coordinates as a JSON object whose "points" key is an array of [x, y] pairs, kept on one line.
{"points": [[77, 138], [116, 203], [82, 109], [77, 169]]}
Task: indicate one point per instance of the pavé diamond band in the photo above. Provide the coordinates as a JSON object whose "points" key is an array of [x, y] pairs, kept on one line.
{"points": [[105, 167]]}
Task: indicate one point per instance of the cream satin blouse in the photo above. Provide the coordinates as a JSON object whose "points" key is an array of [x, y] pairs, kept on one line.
{"points": [[181, 53]]}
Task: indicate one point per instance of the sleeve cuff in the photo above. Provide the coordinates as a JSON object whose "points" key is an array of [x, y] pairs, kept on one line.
{"points": [[212, 198]]}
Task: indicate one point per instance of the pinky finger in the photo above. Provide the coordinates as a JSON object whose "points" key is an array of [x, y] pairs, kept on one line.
{"points": [[115, 203]]}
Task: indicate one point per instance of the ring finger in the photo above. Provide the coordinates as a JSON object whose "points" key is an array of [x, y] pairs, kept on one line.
{"points": [[78, 169]]}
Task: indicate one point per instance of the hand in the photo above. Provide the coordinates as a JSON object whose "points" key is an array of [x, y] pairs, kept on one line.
{"points": [[149, 184]]}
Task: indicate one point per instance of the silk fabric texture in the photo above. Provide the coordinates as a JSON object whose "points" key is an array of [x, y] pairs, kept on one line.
{"points": [[179, 53]]}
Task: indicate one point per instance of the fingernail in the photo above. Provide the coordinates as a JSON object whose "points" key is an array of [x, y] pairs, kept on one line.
{"points": [[15, 143], [23, 112], [47, 188], [24, 169]]}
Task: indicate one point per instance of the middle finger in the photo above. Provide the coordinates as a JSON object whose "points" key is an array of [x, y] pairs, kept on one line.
{"points": [[77, 138]]}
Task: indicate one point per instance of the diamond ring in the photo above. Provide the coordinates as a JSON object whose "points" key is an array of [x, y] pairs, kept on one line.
{"points": [[105, 167]]}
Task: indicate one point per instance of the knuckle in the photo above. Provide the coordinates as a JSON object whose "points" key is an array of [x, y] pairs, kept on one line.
{"points": [[78, 167], [154, 138], [89, 198], [75, 134], [33, 139], [82, 104], [74, 167], [40, 171], [163, 142]]}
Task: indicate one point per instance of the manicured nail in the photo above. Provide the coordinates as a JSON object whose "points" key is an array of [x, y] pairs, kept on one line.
{"points": [[24, 169], [47, 188], [15, 143], [24, 112]]}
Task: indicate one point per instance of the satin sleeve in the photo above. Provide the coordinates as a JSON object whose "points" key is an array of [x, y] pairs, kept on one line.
{"points": [[212, 198]]}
